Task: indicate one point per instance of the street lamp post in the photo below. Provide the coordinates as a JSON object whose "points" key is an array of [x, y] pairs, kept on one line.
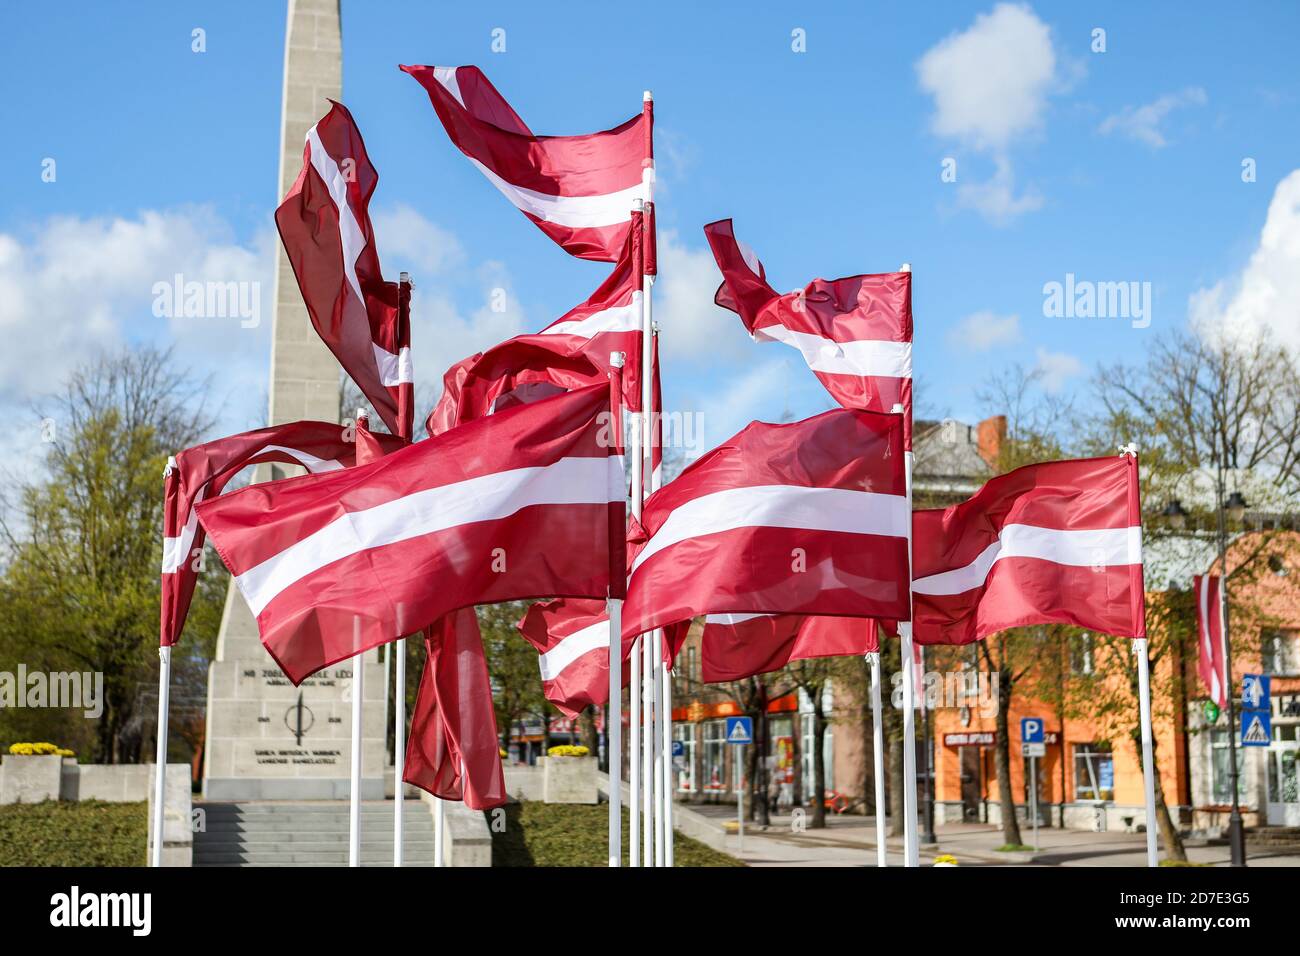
{"points": [[1237, 505]]}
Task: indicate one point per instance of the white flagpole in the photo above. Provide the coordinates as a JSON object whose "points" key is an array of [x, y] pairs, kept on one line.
{"points": [[1148, 765], [614, 708], [439, 819], [354, 811], [636, 783], [911, 848], [399, 746], [164, 714], [878, 757]]}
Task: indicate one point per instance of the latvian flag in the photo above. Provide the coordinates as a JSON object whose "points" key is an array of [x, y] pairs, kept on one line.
{"points": [[1209, 636], [855, 333], [203, 472], [805, 518], [529, 503], [736, 646], [1055, 543], [324, 223], [579, 190]]}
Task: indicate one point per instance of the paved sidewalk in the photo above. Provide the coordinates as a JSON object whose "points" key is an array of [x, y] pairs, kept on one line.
{"points": [[851, 841]]}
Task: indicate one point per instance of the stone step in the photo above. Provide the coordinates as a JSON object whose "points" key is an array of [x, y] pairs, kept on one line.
{"points": [[289, 858]]}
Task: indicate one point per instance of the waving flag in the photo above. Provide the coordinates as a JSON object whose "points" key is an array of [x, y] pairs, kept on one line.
{"points": [[525, 504], [736, 646], [806, 518], [855, 333], [579, 190], [453, 751], [572, 641], [203, 471], [324, 223], [1059, 542], [572, 352], [1209, 634]]}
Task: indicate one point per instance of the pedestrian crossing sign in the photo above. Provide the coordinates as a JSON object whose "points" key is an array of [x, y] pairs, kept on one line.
{"points": [[740, 730], [1256, 729]]}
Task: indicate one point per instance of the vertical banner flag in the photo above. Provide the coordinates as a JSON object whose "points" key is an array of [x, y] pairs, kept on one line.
{"points": [[855, 333], [324, 223], [1053, 543], [1209, 633], [528, 503], [579, 190]]}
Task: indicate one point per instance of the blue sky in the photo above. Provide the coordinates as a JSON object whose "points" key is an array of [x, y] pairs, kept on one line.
{"points": [[1123, 165]]}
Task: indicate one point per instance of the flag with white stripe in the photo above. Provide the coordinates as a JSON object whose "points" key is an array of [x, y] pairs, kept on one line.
{"points": [[579, 190], [572, 352], [1209, 636], [855, 333], [324, 223], [1053, 543], [203, 472], [529, 502], [804, 518]]}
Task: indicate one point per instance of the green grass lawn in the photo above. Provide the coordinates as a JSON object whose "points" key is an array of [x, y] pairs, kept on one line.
{"points": [[542, 834], [90, 833]]}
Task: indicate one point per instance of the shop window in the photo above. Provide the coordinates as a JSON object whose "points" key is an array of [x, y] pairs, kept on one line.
{"points": [[1221, 769], [1081, 654], [714, 765], [1094, 772], [1280, 652], [684, 766]]}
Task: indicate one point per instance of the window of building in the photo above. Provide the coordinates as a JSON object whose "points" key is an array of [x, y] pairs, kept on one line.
{"points": [[684, 766], [1280, 652], [1081, 654], [1283, 777], [714, 766], [806, 744], [1221, 768], [1094, 772]]}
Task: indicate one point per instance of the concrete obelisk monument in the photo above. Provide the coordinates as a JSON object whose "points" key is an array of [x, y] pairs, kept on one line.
{"points": [[266, 739]]}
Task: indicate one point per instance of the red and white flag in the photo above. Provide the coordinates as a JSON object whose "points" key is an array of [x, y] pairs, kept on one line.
{"points": [[805, 518], [526, 504], [324, 223], [202, 472], [736, 646], [572, 352], [572, 641], [453, 751], [1209, 634], [855, 333], [1055, 543], [579, 190]]}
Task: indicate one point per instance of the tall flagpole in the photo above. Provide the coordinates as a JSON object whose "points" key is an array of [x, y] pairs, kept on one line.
{"points": [[878, 756], [399, 746], [164, 713], [354, 810], [439, 825], [614, 708], [911, 850], [636, 783]]}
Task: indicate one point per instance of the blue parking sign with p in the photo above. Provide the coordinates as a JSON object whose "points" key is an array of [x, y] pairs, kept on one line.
{"points": [[1032, 730]]}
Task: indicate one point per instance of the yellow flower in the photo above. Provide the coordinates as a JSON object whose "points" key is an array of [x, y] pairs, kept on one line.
{"points": [[38, 750], [945, 859], [567, 750]]}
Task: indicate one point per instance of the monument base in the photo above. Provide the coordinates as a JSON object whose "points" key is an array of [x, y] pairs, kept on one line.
{"points": [[239, 789]]}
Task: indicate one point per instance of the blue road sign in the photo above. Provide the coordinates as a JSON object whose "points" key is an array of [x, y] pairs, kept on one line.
{"points": [[1032, 730], [1256, 728], [1255, 692], [679, 748], [740, 730]]}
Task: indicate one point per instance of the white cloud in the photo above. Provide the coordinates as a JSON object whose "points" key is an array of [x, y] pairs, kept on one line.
{"points": [[984, 330], [1266, 293], [72, 286], [996, 199], [1142, 123], [403, 233], [990, 83], [1056, 368]]}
